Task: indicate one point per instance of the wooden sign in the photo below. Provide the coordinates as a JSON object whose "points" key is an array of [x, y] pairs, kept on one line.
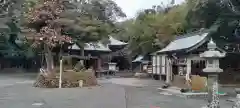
{"points": [[198, 83]]}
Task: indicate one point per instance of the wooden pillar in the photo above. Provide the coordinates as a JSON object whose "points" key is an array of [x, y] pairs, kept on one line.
{"points": [[158, 66], [163, 63], [171, 69], [188, 69], [154, 64], [99, 64], [140, 67], [98, 67], [168, 73]]}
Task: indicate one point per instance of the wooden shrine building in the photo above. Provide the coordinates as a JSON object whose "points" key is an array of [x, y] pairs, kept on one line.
{"points": [[180, 58], [140, 63], [96, 51], [118, 54]]}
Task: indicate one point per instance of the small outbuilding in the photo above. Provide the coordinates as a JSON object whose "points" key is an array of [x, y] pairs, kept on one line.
{"points": [[180, 58], [99, 52], [141, 63]]}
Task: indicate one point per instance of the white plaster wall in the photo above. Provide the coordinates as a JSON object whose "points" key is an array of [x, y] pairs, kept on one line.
{"points": [[158, 65], [154, 64], [163, 62]]}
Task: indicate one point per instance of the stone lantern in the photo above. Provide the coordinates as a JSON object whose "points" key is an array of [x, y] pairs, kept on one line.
{"points": [[112, 66], [212, 69], [144, 66]]}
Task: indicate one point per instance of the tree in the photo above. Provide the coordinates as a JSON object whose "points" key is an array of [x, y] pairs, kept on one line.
{"points": [[203, 13], [153, 28], [10, 15], [94, 22], [55, 22], [222, 15], [43, 30]]}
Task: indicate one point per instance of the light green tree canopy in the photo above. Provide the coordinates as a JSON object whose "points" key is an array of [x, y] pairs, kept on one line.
{"points": [[154, 28]]}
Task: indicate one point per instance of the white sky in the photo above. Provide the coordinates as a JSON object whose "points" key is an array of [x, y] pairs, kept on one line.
{"points": [[131, 7]]}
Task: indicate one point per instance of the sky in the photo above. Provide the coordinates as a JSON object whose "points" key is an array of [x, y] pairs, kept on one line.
{"points": [[131, 7]]}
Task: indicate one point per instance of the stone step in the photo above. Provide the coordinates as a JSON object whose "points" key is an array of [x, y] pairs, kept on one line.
{"points": [[176, 91]]}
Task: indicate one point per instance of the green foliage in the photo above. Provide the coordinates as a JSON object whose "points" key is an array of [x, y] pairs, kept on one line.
{"points": [[153, 28], [53, 23], [158, 25], [203, 13], [83, 21], [94, 21], [221, 13], [10, 16]]}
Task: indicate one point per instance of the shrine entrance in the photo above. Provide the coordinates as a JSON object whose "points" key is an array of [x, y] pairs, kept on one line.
{"points": [[197, 66], [122, 62]]}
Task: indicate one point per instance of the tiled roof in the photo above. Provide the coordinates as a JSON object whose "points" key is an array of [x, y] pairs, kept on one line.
{"points": [[92, 46], [114, 41], [99, 46], [185, 42], [96, 46], [138, 59]]}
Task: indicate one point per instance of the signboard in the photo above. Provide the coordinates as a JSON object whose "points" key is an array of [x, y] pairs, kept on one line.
{"points": [[150, 69], [198, 83]]}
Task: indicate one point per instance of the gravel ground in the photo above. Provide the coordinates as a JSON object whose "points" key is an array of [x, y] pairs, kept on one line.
{"points": [[16, 92], [143, 94]]}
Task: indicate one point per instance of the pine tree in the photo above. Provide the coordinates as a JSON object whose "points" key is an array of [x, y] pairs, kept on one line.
{"points": [[10, 14], [55, 22]]}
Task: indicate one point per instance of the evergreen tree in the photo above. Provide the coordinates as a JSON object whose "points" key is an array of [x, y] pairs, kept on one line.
{"points": [[55, 22], [222, 15], [10, 15]]}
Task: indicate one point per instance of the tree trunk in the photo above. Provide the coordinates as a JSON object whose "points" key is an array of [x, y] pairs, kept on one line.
{"points": [[49, 59]]}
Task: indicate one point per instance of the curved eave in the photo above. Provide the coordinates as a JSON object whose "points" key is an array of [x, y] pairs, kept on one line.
{"points": [[138, 59], [90, 47], [115, 42], [97, 50]]}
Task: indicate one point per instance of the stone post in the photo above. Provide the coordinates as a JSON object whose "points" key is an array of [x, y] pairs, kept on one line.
{"points": [[212, 69]]}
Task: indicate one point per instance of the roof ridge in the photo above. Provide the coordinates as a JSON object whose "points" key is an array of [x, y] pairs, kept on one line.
{"points": [[185, 43]]}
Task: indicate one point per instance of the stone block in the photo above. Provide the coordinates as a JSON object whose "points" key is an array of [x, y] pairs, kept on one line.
{"points": [[237, 90]]}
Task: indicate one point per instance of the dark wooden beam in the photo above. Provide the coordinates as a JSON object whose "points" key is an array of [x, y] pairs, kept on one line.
{"points": [[80, 57]]}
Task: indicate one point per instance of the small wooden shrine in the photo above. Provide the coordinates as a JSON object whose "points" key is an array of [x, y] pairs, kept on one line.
{"points": [[180, 59], [140, 63], [119, 55]]}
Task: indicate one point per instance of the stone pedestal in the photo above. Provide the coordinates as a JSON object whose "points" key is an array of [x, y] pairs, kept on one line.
{"points": [[213, 98], [212, 69]]}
